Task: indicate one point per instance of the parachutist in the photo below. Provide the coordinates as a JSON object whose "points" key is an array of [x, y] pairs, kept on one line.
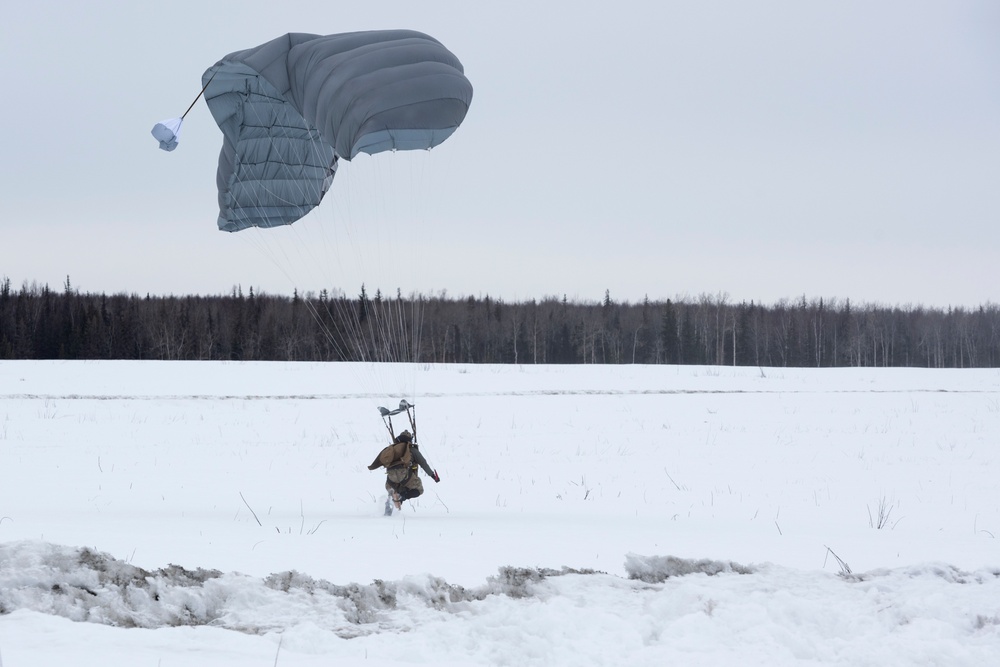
{"points": [[402, 461]]}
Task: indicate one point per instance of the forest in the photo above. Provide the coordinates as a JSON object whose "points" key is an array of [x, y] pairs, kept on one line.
{"points": [[37, 322]]}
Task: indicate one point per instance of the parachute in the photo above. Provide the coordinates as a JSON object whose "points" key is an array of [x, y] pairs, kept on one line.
{"points": [[291, 108]]}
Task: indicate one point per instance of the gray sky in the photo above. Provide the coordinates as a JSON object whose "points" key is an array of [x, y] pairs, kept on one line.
{"points": [[764, 150]]}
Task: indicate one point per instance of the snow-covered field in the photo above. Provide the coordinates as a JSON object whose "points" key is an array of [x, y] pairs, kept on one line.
{"points": [[160, 514]]}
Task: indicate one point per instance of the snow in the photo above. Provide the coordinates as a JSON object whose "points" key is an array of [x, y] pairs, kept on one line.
{"points": [[197, 513]]}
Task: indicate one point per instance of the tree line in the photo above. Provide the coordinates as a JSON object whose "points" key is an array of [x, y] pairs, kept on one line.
{"points": [[37, 322]]}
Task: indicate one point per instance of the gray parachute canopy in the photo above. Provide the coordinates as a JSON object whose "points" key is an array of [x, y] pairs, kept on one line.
{"points": [[290, 108]]}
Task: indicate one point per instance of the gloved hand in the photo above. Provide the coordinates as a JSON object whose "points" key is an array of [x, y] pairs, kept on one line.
{"points": [[437, 477]]}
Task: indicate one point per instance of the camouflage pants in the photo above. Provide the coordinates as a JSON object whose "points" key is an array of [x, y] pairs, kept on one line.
{"points": [[404, 481]]}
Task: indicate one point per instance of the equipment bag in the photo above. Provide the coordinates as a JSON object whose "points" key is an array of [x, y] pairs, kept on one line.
{"points": [[395, 454]]}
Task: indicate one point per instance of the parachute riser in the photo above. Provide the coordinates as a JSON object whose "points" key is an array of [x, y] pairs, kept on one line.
{"points": [[412, 416], [388, 424]]}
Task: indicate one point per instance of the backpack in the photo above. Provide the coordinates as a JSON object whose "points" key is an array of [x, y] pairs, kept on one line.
{"points": [[395, 454]]}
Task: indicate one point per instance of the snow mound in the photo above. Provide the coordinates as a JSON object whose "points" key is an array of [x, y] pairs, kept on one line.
{"points": [[82, 584]]}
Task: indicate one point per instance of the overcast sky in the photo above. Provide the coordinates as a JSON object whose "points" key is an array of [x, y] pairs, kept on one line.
{"points": [[763, 150]]}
